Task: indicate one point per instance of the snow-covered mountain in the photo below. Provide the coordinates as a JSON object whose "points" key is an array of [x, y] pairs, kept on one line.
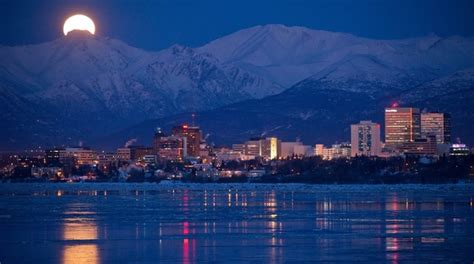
{"points": [[288, 55], [95, 85], [82, 74], [313, 114], [83, 86]]}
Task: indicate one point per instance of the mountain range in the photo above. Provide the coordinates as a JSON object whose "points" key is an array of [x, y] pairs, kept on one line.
{"points": [[292, 82]]}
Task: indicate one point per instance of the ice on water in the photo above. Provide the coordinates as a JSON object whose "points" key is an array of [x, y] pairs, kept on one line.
{"points": [[96, 223]]}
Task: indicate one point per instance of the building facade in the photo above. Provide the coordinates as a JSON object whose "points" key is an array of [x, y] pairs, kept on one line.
{"points": [[193, 137], [172, 148], [157, 140], [80, 156], [438, 125], [402, 125], [52, 157], [365, 139], [288, 148], [267, 148], [422, 146], [124, 154], [319, 150]]}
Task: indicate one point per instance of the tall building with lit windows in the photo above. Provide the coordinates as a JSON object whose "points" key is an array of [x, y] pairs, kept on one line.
{"points": [[157, 140], [402, 125], [365, 139], [193, 137], [171, 148], [437, 125], [271, 147]]}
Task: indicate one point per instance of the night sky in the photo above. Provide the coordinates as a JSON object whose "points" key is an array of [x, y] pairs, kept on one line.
{"points": [[155, 25]]}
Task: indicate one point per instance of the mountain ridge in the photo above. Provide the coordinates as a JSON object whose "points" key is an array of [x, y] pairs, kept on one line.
{"points": [[80, 87]]}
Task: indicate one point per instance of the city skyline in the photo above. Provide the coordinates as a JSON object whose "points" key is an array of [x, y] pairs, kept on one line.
{"points": [[407, 129], [231, 71], [236, 131]]}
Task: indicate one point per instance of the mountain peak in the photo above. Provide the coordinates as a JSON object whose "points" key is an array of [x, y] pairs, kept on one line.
{"points": [[79, 34]]}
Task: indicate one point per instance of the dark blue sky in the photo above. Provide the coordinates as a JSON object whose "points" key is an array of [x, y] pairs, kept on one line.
{"points": [[158, 24]]}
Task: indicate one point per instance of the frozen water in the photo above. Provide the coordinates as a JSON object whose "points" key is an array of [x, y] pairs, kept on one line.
{"points": [[96, 223]]}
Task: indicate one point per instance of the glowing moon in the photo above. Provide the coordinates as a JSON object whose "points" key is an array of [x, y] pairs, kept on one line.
{"points": [[79, 22]]}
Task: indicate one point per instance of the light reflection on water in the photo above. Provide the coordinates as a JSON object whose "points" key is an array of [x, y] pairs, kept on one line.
{"points": [[76, 250], [79, 234], [178, 225]]}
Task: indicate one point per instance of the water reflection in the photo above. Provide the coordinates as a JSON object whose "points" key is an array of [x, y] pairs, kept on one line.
{"points": [[255, 226], [80, 236], [189, 245]]}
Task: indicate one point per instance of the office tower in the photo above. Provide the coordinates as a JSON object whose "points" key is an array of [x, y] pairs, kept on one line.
{"points": [[157, 139], [271, 148], [193, 137], [402, 125], [438, 125], [172, 148]]}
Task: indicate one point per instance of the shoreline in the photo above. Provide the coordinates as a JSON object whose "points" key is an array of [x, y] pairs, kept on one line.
{"points": [[11, 187]]}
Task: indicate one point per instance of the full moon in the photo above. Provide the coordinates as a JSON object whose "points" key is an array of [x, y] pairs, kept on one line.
{"points": [[79, 22]]}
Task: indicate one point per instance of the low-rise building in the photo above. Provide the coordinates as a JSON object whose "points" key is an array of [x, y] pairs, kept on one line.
{"points": [[80, 155], [459, 150], [423, 146], [124, 154]]}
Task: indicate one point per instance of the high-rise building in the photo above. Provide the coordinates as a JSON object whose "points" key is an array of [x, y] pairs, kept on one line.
{"points": [[402, 125], [271, 148], [365, 139], [172, 148], [438, 125], [193, 137], [157, 140]]}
